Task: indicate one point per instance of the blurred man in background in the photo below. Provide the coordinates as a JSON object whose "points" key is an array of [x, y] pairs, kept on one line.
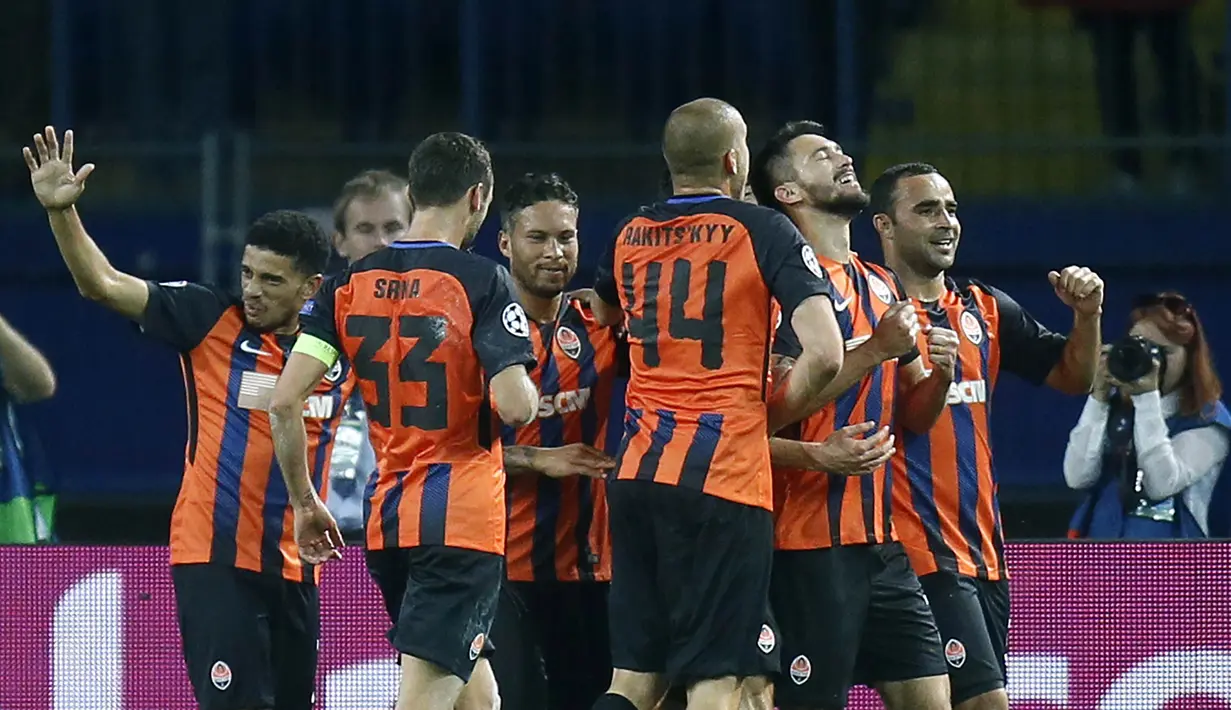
{"points": [[945, 507], [26, 503], [372, 210], [248, 604]]}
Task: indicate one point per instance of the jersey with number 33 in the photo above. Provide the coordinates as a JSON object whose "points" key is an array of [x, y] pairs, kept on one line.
{"points": [[425, 326]]}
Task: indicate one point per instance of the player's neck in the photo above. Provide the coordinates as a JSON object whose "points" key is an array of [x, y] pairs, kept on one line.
{"points": [[291, 327], [540, 310], [692, 188], [920, 286], [829, 234], [434, 224]]}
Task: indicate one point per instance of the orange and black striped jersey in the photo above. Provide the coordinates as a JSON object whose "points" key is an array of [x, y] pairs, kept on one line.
{"points": [[815, 510], [233, 507], [696, 277], [946, 510], [426, 326], [558, 527]]}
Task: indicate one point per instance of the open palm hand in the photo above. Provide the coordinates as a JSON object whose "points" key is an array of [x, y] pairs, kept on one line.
{"points": [[55, 184]]}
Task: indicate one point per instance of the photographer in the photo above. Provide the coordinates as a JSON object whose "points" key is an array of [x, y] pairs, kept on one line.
{"points": [[1153, 436]]}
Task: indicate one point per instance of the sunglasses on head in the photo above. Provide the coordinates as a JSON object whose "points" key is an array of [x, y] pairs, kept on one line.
{"points": [[1176, 304]]}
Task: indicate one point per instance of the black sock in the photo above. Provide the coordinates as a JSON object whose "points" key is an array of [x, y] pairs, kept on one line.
{"points": [[611, 701]]}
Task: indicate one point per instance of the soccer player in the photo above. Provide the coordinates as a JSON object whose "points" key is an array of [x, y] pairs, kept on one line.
{"points": [[945, 507], [559, 554], [850, 608], [372, 211], [695, 278], [429, 328], [247, 602]]}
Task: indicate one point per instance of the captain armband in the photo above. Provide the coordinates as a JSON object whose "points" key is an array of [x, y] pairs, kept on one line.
{"points": [[317, 348]]}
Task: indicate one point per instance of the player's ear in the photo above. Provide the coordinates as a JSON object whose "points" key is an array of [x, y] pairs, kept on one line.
{"points": [[503, 241], [883, 225], [337, 239], [310, 286], [730, 162], [480, 196], [788, 193]]}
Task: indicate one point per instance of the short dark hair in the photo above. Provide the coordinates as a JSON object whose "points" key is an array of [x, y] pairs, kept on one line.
{"points": [[444, 166], [368, 185], [294, 235], [766, 172], [883, 189], [531, 189]]}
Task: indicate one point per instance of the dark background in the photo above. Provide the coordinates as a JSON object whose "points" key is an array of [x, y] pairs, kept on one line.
{"points": [[202, 115]]}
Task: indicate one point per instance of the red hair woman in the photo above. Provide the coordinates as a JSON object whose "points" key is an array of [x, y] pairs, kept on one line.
{"points": [[1151, 450]]}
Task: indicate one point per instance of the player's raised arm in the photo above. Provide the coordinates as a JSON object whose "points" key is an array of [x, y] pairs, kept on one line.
{"points": [[1082, 290], [57, 188]]}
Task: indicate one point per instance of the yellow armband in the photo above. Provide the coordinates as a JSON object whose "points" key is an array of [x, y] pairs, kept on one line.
{"points": [[317, 348]]}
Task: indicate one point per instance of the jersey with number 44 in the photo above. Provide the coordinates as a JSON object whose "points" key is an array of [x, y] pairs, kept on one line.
{"points": [[425, 326], [697, 277]]}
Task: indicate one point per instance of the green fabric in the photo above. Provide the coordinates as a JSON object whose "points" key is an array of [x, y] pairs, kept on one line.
{"points": [[17, 522], [27, 522]]}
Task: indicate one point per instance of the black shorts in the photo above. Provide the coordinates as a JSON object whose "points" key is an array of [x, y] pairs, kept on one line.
{"points": [[441, 600], [250, 639], [689, 583], [850, 615], [973, 618], [554, 645]]}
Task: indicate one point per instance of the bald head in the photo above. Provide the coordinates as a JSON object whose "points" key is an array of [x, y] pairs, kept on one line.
{"points": [[705, 143]]}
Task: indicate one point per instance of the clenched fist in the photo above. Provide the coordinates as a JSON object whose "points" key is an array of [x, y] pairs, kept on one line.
{"points": [[895, 334], [942, 351], [1079, 288]]}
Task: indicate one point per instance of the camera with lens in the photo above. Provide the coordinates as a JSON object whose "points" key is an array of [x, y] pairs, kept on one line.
{"points": [[1132, 358]]}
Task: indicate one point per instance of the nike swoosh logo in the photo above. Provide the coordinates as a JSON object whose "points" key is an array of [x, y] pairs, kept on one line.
{"points": [[839, 307], [251, 349]]}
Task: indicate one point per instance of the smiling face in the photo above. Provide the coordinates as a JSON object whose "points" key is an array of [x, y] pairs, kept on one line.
{"points": [[542, 247], [823, 177], [922, 224]]}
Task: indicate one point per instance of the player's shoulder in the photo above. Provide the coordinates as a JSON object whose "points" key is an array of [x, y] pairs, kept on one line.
{"points": [[200, 288], [577, 314], [203, 300], [404, 257], [978, 293], [883, 280]]}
